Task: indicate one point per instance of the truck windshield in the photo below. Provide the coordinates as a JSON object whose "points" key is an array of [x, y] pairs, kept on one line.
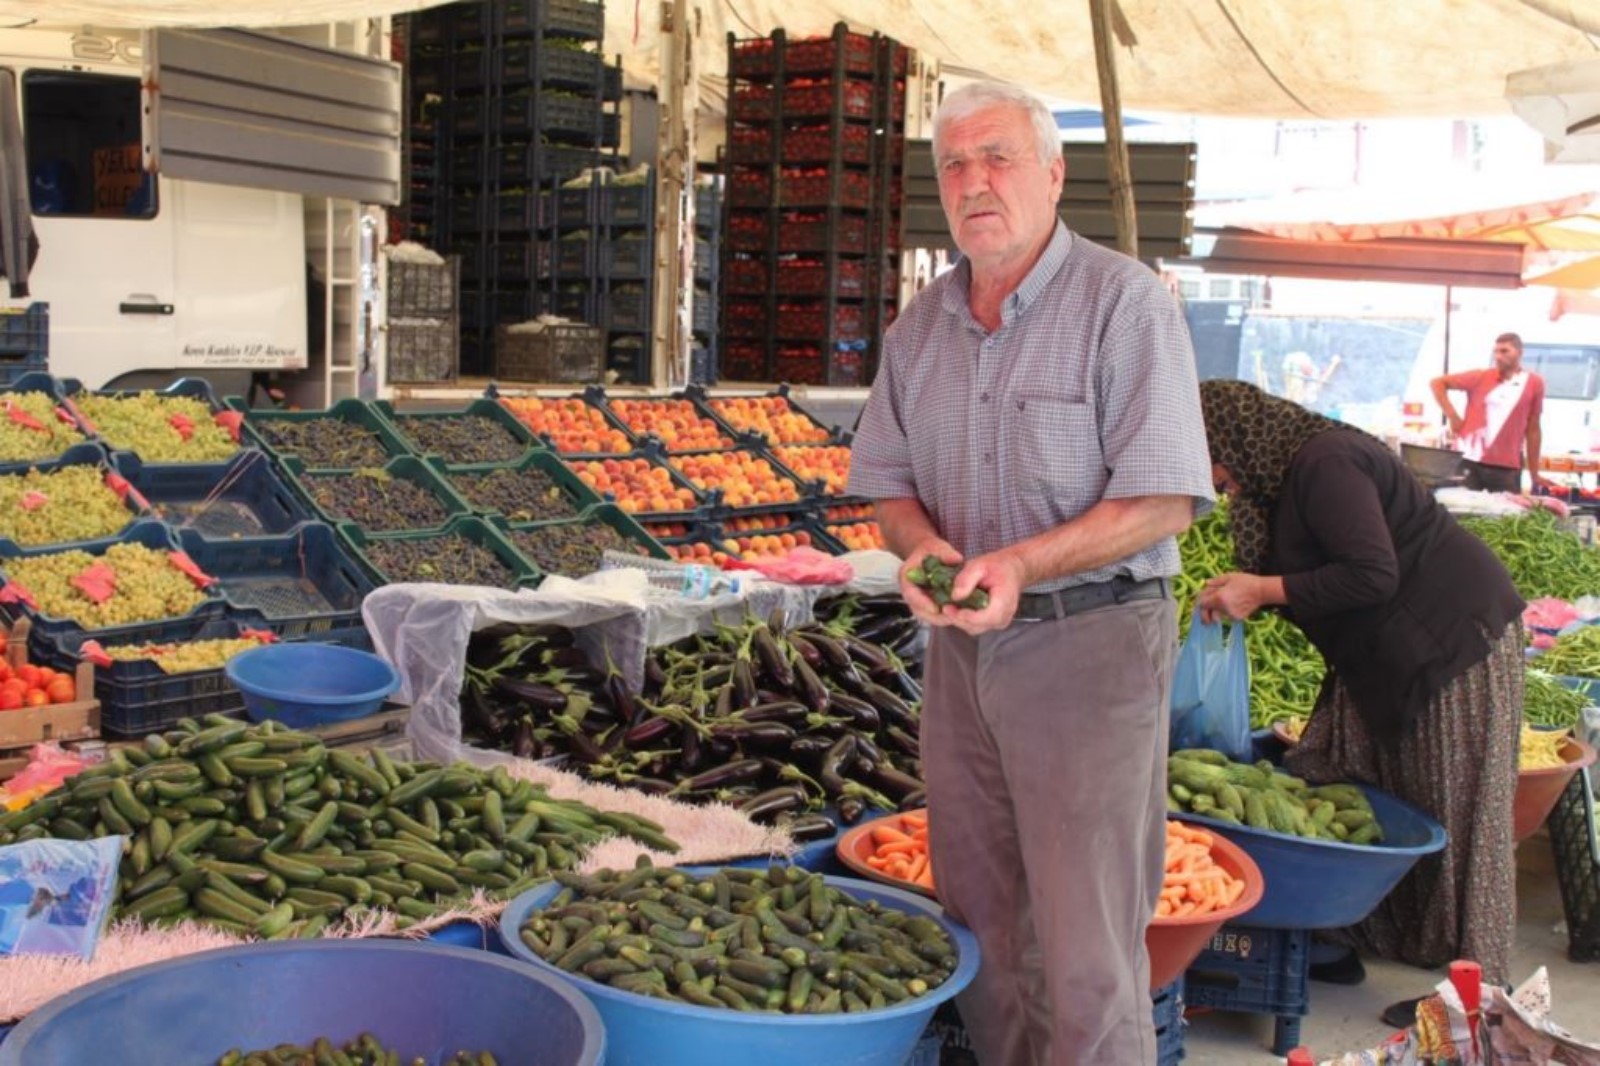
{"points": [[1570, 371], [82, 134]]}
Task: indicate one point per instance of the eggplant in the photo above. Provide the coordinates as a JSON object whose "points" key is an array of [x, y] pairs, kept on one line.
{"points": [[891, 708], [851, 808], [893, 783], [478, 712], [727, 775], [903, 740], [810, 747], [912, 800], [773, 664], [743, 684], [522, 742], [655, 675], [831, 773], [621, 699], [909, 687], [533, 693], [756, 734], [564, 656], [649, 733], [868, 753], [724, 704], [692, 754], [583, 748], [787, 711], [806, 650], [831, 651], [766, 695], [809, 687], [865, 653], [650, 786], [766, 806], [863, 715], [809, 827], [720, 749]]}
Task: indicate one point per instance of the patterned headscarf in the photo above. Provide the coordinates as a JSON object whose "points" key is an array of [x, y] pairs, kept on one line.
{"points": [[1256, 436]]}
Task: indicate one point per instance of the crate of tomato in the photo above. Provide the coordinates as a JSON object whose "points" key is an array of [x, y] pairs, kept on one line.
{"points": [[808, 231], [811, 276], [852, 52], [799, 318], [823, 98], [754, 57], [814, 187], [816, 144], [751, 103], [37, 701]]}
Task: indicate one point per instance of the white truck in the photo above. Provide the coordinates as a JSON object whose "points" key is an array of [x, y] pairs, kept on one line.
{"points": [[149, 278]]}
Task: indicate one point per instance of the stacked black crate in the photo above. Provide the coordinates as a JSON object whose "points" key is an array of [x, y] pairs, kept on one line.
{"points": [[703, 346], [625, 275], [529, 107], [421, 45], [804, 243], [883, 223]]}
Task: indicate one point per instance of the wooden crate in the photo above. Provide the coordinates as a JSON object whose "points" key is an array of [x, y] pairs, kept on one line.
{"points": [[60, 722]]}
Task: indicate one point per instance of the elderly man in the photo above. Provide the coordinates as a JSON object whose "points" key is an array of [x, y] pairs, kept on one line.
{"points": [[1036, 419]]}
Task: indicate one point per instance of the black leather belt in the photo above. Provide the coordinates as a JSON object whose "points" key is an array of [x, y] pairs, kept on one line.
{"points": [[1045, 606]]}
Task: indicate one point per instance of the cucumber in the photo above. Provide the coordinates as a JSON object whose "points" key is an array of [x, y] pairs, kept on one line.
{"points": [[165, 902], [257, 767], [318, 827], [292, 870], [431, 878], [213, 903]]}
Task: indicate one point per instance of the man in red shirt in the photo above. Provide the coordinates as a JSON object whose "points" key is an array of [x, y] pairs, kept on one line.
{"points": [[1504, 402]]}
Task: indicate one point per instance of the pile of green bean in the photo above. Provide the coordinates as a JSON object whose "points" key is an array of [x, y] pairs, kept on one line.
{"points": [[1575, 655], [1542, 558], [1547, 702], [1285, 670]]}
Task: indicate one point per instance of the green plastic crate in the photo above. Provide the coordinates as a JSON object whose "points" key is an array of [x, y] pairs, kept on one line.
{"points": [[488, 409], [406, 468], [480, 532], [357, 412], [608, 514], [581, 496]]}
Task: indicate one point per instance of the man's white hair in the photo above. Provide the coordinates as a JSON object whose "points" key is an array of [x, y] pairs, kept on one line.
{"points": [[981, 95]]}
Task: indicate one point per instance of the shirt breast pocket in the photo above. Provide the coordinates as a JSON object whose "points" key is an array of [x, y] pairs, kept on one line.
{"points": [[1058, 447]]}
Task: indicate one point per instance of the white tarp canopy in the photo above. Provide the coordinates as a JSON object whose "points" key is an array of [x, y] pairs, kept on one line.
{"points": [[1561, 101], [1267, 58]]}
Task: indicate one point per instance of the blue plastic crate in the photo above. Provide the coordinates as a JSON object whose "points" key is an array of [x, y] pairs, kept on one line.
{"points": [[301, 583], [36, 381], [946, 1042], [1255, 971], [243, 497], [72, 390], [1168, 1003], [24, 341], [148, 532], [77, 455]]}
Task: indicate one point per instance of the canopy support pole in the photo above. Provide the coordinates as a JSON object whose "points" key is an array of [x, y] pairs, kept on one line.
{"points": [[675, 162], [1118, 170]]}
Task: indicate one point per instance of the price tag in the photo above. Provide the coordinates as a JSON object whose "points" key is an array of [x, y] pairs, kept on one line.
{"points": [[24, 419], [183, 424], [16, 592], [200, 578], [95, 653], [33, 499], [98, 581], [265, 636], [230, 421]]}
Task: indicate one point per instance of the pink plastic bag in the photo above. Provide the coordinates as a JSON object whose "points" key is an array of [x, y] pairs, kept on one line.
{"points": [[804, 566], [48, 765]]}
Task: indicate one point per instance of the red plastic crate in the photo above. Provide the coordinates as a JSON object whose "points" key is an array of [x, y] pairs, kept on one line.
{"points": [[811, 277], [744, 361], [814, 144], [816, 99], [810, 320], [802, 231], [818, 55], [751, 103]]}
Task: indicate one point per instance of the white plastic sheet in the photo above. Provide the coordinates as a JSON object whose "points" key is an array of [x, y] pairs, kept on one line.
{"points": [[423, 629]]}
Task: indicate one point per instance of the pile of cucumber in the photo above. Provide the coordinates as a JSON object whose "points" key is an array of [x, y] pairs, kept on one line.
{"points": [[1207, 783], [262, 830], [365, 1050], [779, 939]]}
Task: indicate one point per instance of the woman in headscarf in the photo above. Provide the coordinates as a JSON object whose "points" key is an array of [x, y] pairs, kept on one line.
{"points": [[1421, 629]]}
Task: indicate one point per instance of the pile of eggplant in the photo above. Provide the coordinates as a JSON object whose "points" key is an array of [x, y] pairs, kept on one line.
{"points": [[786, 724]]}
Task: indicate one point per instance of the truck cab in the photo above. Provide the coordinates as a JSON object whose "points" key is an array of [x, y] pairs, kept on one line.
{"points": [[147, 278]]}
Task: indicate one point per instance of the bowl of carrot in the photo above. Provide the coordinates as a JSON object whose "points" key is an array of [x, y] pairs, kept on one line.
{"points": [[892, 850], [1208, 880]]}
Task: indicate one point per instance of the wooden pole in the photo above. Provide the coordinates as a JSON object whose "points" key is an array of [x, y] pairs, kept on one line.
{"points": [[1117, 168]]}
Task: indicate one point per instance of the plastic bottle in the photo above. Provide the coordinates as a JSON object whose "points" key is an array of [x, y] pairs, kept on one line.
{"points": [[693, 582]]}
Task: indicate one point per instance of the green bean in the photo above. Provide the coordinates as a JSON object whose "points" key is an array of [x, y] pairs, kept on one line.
{"points": [[1285, 670], [1542, 558], [1547, 702]]}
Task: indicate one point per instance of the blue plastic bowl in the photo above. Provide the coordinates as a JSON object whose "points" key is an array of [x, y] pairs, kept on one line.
{"points": [[641, 1031], [304, 685], [1325, 884], [426, 1000]]}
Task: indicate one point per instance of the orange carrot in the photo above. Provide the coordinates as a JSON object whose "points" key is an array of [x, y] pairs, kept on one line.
{"points": [[1193, 884]]}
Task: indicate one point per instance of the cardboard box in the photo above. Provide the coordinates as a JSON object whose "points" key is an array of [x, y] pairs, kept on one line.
{"points": [[78, 720]]}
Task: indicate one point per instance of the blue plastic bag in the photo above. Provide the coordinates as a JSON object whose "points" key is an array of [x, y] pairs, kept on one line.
{"points": [[55, 895], [1211, 690]]}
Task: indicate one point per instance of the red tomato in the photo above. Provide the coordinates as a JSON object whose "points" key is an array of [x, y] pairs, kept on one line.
{"points": [[29, 674], [61, 689], [10, 700]]}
